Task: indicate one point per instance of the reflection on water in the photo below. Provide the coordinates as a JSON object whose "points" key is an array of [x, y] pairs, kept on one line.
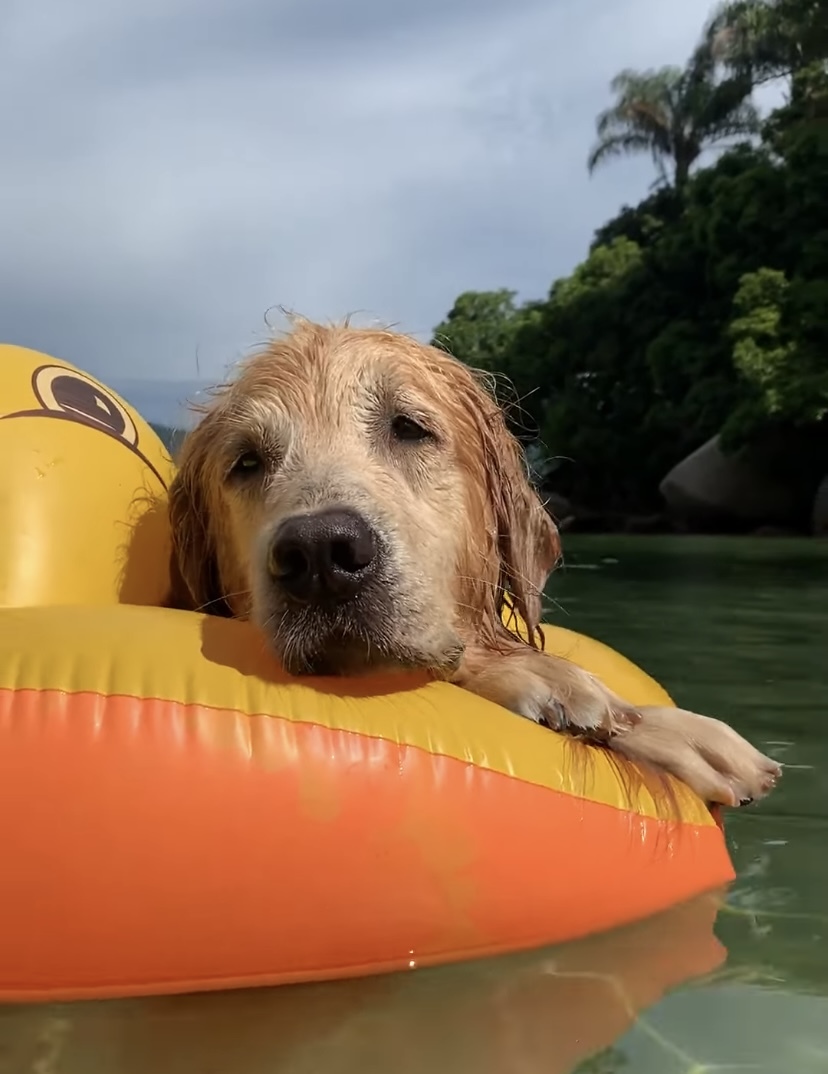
{"points": [[733, 628], [540, 1013]]}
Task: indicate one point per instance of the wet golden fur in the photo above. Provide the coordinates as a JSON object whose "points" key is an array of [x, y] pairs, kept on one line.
{"points": [[316, 421]]}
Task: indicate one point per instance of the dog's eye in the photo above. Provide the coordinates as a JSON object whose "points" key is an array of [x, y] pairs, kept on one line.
{"points": [[405, 428], [248, 464]]}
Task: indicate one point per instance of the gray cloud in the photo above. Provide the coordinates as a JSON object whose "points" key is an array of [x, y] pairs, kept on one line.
{"points": [[173, 169]]}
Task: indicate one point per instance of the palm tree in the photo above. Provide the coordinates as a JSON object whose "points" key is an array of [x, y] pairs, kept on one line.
{"points": [[674, 114], [763, 40]]}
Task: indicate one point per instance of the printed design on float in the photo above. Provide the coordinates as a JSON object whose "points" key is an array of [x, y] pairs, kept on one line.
{"points": [[69, 395]]}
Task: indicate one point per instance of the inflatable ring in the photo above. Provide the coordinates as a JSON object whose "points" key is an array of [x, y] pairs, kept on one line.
{"points": [[177, 814]]}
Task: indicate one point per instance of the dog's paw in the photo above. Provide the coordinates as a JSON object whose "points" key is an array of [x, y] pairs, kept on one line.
{"points": [[565, 698], [706, 754]]}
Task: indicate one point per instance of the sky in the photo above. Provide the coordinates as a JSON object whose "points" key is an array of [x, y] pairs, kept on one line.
{"points": [[173, 171]]}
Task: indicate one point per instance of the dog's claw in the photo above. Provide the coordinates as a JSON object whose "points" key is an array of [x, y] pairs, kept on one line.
{"points": [[555, 717]]}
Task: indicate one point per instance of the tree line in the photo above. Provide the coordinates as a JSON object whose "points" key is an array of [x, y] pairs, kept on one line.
{"points": [[704, 309]]}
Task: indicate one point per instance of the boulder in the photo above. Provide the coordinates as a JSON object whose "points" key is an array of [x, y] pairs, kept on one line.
{"points": [[712, 489]]}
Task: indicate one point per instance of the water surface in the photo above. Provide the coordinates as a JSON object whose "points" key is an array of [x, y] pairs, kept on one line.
{"points": [[735, 628]]}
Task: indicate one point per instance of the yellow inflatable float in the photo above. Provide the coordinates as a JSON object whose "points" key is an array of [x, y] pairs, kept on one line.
{"points": [[177, 814]]}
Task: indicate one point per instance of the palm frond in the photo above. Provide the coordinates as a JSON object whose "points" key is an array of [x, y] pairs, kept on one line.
{"points": [[617, 145], [672, 113]]}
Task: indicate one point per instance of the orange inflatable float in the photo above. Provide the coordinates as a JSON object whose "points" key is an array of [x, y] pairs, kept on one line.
{"points": [[177, 814]]}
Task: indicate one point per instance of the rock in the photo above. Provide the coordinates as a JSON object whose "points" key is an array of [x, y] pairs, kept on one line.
{"points": [[583, 520], [709, 489], [819, 516], [656, 523], [775, 531]]}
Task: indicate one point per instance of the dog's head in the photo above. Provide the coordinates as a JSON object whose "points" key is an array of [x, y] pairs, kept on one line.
{"points": [[358, 495]]}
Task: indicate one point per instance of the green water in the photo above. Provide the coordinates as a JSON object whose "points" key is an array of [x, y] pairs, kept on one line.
{"points": [[736, 629], [733, 628]]}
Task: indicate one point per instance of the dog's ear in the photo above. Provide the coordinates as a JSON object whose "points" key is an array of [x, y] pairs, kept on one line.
{"points": [[516, 540], [195, 571], [521, 536], [527, 538]]}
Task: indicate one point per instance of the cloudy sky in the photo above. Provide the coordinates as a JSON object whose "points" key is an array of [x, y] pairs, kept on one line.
{"points": [[172, 169]]}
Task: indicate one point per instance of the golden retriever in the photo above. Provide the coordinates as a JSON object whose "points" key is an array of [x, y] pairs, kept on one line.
{"points": [[359, 497]]}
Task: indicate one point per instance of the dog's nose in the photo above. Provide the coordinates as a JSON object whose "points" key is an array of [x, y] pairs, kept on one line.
{"points": [[329, 554]]}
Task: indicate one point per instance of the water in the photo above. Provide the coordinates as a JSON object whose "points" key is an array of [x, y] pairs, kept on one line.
{"points": [[736, 629], [733, 628]]}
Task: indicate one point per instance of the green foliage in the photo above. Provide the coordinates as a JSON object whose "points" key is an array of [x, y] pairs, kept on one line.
{"points": [[773, 348], [642, 223], [704, 309], [762, 40], [674, 114], [479, 327], [480, 330]]}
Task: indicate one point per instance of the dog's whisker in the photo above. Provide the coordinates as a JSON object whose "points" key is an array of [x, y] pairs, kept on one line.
{"points": [[221, 599]]}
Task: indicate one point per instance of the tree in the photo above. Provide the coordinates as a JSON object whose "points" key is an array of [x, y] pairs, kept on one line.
{"points": [[635, 371], [763, 40], [674, 114], [479, 327], [779, 335], [702, 311], [787, 372]]}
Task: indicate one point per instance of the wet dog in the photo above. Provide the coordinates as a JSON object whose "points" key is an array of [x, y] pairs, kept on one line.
{"points": [[359, 497]]}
